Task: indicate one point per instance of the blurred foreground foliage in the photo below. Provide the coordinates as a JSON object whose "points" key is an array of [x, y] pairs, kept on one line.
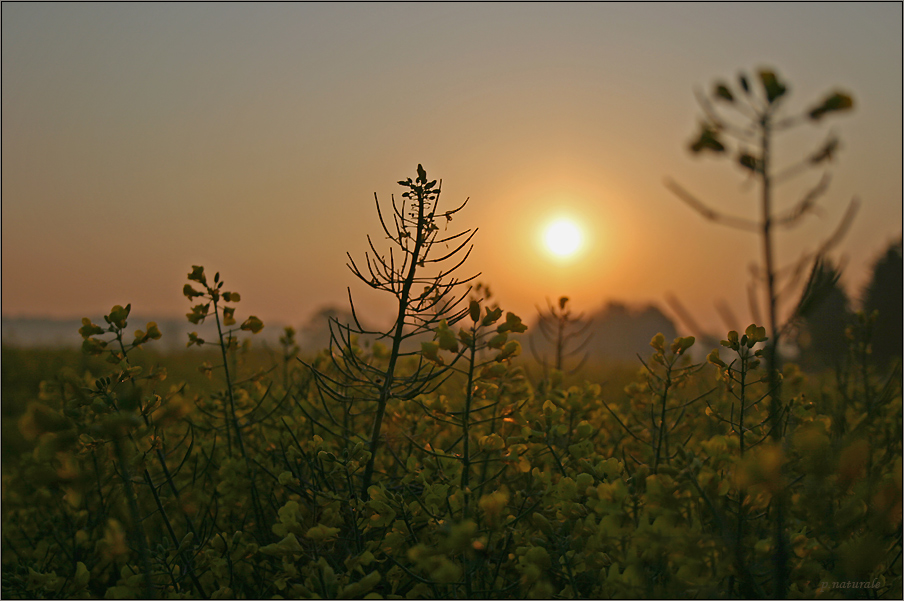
{"points": [[658, 484]]}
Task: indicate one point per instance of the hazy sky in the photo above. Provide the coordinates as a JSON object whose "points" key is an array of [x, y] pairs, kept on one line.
{"points": [[139, 139]]}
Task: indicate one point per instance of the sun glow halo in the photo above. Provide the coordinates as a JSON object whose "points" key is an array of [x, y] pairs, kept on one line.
{"points": [[562, 237]]}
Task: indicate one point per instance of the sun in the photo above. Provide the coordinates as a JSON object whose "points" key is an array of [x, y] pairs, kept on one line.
{"points": [[563, 237]]}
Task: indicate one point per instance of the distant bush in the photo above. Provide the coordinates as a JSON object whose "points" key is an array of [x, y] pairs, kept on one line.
{"points": [[885, 295]]}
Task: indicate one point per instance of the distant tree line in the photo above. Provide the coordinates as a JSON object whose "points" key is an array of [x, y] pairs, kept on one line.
{"points": [[619, 332], [821, 335]]}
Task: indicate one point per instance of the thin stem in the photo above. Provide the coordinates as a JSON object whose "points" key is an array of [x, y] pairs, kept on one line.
{"points": [[661, 433], [386, 389], [255, 501], [465, 425], [137, 530], [773, 359]]}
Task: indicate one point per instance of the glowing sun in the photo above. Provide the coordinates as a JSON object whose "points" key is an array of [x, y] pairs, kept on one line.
{"points": [[562, 237]]}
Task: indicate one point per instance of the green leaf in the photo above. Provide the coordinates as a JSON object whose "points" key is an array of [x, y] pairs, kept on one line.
{"points": [[498, 341], [383, 515], [429, 350], [732, 341], [679, 345], [723, 92], [658, 342], [838, 101], [153, 332], [186, 541], [286, 547], [581, 449], [496, 370], [826, 153], [118, 315], [446, 338], [748, 161], [584, 430], [755, 334], [190, 292], [492, 316], [228, 316], [708, 140], [193, 339], [511, 349], [512, 324], [198, 313], [538, 556], [82, 576], [320, 533], [93, 346], [197, 274], [89, 329], [713, 357], [491, 442], [474, 311], [356, 590], [772, 86], [253, 325], [539, 521]]}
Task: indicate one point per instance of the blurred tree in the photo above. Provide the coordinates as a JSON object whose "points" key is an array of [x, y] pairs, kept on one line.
{"points": [[885, 294], [623, 332], [315, 333], [823, 319]]}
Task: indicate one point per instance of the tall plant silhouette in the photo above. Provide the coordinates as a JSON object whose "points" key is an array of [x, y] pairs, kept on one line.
{"points": [[568, 334], [755, 118], [419, 271]]}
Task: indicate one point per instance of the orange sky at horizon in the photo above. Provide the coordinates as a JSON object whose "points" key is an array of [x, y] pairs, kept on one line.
{"points": [[139, 140]]}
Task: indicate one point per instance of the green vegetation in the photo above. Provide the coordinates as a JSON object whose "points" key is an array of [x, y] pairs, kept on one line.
{"points": [[436, 469], [756, 119]]}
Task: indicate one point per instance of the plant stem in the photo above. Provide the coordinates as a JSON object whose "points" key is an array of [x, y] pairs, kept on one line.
{"points": [[664, 398], [773, 359], [222, 345], [137, 530], [465, 425], [386, 390], [258, 512]]}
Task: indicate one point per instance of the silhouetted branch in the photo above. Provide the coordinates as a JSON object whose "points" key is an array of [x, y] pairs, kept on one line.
{"points": [[730, 128], [804, 205], [725, 312], [708, 213]]}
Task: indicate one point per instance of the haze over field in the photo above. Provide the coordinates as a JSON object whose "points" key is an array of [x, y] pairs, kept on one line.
{"points": [[140, 139]]}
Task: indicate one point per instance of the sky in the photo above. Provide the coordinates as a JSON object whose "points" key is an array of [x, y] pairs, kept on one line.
{"points": [[141, 139]]}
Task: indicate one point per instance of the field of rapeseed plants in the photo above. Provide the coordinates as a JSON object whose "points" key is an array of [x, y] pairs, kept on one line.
{"points": [[421, 462]]}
